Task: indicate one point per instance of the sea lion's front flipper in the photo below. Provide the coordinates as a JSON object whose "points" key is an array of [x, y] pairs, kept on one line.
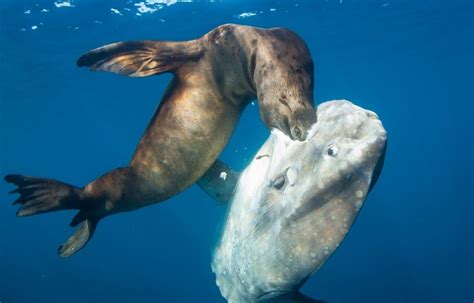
{"points": [[142, 58], [219, 181], [79, 239]]}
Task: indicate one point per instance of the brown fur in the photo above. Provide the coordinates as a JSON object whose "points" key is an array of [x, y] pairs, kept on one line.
{"points": [[216, 76]]}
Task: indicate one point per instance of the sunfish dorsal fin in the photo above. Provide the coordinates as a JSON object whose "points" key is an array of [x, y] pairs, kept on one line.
{"points": [[141, 58], [219, 182]]}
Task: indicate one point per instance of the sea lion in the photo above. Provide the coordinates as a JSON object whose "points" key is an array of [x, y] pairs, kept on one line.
{"points": [[292, 208], [215, 77]]}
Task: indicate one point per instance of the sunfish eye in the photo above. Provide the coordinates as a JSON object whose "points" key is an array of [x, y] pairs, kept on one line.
{"points": [[278, 182], [332, 151]]}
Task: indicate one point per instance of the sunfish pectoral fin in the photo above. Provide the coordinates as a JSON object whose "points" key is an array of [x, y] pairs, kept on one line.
{"points": [[219, 182], [79, 239], [141, 58]]}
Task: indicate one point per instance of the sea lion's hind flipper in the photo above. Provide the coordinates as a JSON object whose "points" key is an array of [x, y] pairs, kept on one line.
{"points": [[219, 182], [141, 58], [79, 239], [38, 195]]}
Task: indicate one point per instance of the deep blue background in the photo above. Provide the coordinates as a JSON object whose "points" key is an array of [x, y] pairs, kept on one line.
{"points": [[410, 61]]}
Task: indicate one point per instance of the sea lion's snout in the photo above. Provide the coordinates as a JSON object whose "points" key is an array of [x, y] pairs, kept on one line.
{"points": [[302, 123], [296, 127], [297, 134]]}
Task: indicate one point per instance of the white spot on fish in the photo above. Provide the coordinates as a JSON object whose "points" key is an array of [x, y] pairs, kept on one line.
{"points": [[343, 166], [358, 204], [357, 153], [223, 175], [359, 194], [313, 255]]}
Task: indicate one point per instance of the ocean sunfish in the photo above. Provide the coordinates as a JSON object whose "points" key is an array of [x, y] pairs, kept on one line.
{"points": [[292, 206]]}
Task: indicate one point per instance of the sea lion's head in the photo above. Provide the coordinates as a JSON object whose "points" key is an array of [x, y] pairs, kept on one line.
{"points": [[283, 75], [294, 123], [275, 65]]}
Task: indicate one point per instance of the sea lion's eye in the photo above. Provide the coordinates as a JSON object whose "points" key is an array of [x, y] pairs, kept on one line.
{"points": [[332, 150]]}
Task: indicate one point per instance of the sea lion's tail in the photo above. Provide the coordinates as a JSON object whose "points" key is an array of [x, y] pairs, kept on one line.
{"points": [[38, 195], [142, 58]]}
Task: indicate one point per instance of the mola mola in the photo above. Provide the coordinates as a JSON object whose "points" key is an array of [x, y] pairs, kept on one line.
{"points": [[294, 203]]}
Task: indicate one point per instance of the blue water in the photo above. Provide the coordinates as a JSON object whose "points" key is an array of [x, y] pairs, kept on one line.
{"points": [[410, 61]]}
